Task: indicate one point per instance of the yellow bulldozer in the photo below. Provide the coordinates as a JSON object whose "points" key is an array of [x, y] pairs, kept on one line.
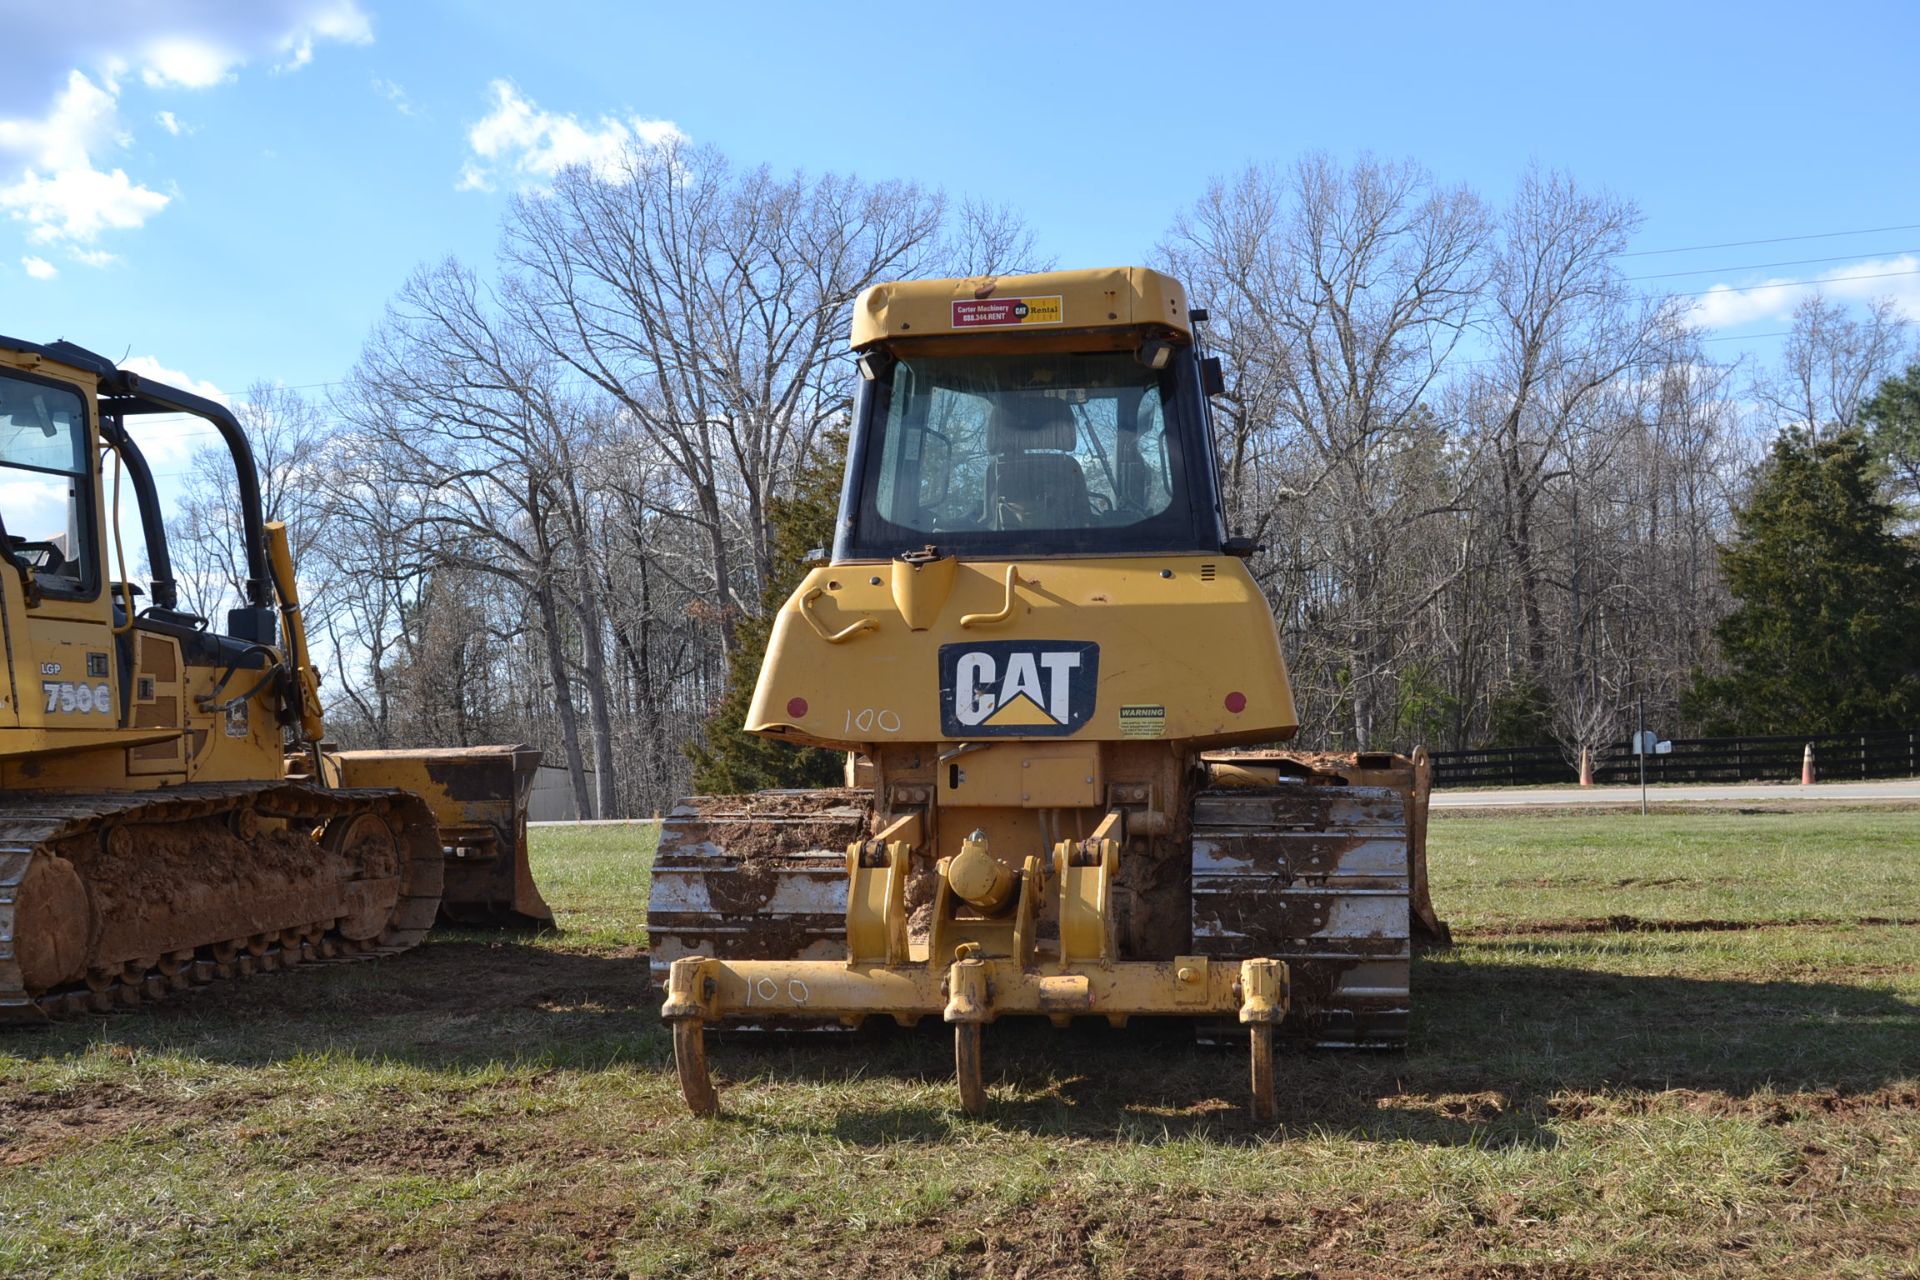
{"points": [[1060, 689], [170, 813]]}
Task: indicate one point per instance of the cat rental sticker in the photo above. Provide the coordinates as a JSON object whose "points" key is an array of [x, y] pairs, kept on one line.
{"points": [[986, 313]]}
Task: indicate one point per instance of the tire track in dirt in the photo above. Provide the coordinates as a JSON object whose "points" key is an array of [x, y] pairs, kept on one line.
{"points": [[1641, 924]]}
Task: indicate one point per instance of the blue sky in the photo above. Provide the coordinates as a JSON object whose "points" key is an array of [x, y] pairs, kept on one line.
{"points": [[282, 164]]}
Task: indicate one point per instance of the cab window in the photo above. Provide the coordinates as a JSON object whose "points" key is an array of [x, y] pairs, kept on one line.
{"points": [[1068, 444], [46, 484]]}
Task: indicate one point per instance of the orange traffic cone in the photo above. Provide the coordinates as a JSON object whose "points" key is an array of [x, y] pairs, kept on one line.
{"points": [[1586, 766], [1806, 766]]}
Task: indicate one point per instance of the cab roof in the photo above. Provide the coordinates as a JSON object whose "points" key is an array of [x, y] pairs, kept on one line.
{"points": [[121, 390], [1045, 302]]}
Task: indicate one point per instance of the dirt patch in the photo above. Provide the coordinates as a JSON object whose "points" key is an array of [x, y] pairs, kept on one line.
{"points": [[768, 826], [1639, 924], [1484, 1107], [416, 1144], [1671, 808], [578, 1233], [1629, 882], [1779, 1108], [1180, 1238], [34, 1126]]}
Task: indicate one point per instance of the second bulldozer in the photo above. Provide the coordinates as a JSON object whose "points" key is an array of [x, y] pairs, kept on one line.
{"points": [[1055, 673], [169, 812]]}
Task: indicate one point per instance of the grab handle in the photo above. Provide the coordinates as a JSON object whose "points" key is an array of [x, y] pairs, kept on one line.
{"points": [[841, 636], [1006, 609]]}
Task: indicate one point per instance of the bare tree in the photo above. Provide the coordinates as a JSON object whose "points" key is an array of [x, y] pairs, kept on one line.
{"points": [[1831, 363], [1343, 290], [710, 306], [476, 419], [990, 240], [1565, 328], [1480, 463], [204, 534]]}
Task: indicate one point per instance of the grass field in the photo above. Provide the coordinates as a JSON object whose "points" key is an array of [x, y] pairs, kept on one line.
{"points": [[1680, 1044]]}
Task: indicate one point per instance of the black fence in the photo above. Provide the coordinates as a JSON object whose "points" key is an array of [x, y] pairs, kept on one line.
{"points": [[1883, 753]]}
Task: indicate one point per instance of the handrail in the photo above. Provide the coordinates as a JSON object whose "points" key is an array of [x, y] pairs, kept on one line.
{"points": [[119, 546], [1006, 609], [845, 633]]}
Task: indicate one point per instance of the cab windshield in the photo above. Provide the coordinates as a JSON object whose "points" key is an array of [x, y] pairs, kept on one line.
{"points": [[1030, 453]]}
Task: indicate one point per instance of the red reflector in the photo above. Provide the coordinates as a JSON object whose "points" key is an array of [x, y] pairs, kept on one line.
{"points": [[796, 707], [1236, 702]]}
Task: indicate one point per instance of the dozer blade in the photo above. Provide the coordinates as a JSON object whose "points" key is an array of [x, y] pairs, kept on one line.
{"points": [[479, 798], [756, 877]]}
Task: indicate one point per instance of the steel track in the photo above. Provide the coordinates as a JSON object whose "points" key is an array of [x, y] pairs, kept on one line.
{"points": [[1319, 876], [32, 823], [756, 877]]}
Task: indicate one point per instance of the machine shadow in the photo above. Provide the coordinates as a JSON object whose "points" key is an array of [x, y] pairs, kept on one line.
{"points": [[1502, 1048], [1503, 1045], [465, 1003]]}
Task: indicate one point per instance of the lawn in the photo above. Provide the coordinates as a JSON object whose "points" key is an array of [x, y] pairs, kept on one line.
{"points": [[1687, 1043]]}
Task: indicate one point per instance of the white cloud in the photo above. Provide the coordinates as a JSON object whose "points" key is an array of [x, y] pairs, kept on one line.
{"points": [[393, 93], [188, 62], [149, 367], [54, 173], [1730, 306], [78, 204], [36, 505], [94, 257], [48, 176], [473, 178], [341, 20], [520, 139], [83, 119], [191, 44], [39, 268]]}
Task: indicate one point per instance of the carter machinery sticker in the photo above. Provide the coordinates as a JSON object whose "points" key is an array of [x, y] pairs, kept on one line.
{"points": [[985, 313]]}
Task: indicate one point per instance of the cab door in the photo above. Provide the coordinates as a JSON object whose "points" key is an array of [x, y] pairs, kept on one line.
{"points": [[62, 673]]}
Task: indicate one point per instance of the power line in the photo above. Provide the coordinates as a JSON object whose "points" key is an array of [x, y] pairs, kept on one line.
{"points": [[1739, 244], [1747, 337], [1788, 262], [1785, 284]]}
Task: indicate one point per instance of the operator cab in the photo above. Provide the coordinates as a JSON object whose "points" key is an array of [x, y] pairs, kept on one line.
{"points": [[1067, 442], [54, 535], [46, 491]]}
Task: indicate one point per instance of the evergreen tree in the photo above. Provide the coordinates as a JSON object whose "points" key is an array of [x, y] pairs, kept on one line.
{"points": [[1894, 416], [1825, 637], [728, 760]]}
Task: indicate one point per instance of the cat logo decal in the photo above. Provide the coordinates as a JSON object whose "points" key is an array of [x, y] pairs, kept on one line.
{"points": [[1017, 688]]}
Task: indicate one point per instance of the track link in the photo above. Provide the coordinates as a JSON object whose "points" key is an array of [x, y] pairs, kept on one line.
{"points": [[36, 825]]}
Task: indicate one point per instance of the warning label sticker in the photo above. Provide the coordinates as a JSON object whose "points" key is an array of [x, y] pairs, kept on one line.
{"points": [[982, 313], [1143, 722]]}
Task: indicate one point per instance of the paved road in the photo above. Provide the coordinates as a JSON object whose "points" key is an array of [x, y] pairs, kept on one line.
{"points": [[601, 822], [1900, 789], [1907, 789]]}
